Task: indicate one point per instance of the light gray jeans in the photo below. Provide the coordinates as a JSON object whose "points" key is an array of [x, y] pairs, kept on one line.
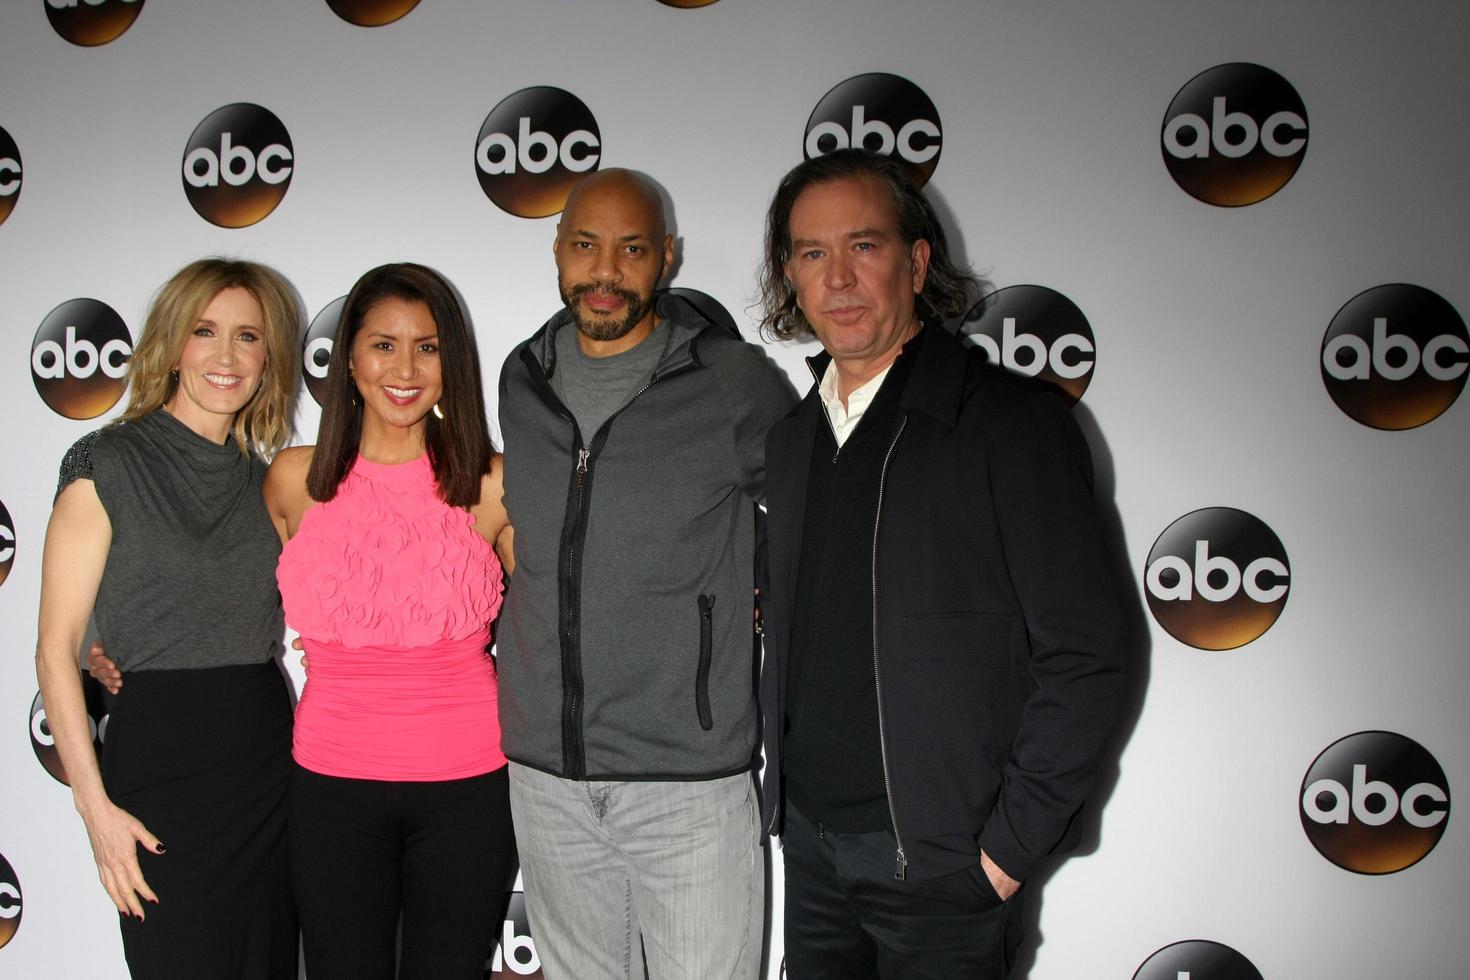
{"points": [[616, 871]]}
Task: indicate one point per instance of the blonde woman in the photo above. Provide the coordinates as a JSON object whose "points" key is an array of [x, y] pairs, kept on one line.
{"points": [[159, 526]]}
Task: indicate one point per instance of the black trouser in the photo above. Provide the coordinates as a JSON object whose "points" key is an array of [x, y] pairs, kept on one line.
{"points": [[849, 918], [363, 850], [203, 758]]}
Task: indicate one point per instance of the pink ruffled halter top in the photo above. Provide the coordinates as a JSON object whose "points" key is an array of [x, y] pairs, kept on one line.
{"points": [[393, 592]]}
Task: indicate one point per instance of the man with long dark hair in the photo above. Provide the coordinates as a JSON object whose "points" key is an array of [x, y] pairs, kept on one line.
{"points": [[943, 638], [634, 436]]}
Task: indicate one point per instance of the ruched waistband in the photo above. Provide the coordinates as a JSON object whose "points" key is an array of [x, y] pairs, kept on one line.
{"points": [[399, 714]]}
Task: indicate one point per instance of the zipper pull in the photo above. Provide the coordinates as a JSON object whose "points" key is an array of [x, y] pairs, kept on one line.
{"points": [[582, 455], [900, 866]]}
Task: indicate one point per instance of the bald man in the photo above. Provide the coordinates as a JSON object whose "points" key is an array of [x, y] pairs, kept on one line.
{"points": [[634, 431]]}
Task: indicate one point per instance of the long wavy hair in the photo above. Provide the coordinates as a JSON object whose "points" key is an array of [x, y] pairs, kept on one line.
{"points": [[459, 443], [948, 290], [264, 424]]}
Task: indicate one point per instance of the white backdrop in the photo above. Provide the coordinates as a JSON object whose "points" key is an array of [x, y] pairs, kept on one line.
{"points": [[1207, 390]]}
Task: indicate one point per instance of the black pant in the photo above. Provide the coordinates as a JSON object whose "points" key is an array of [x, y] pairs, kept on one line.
{"points": [[849, 918], [203, 758], [364, 850]]}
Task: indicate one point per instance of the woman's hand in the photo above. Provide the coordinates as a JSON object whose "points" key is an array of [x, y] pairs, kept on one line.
{"points": [[103, 670], [115, 836]]}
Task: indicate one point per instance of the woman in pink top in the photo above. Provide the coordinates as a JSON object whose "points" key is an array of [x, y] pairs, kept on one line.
{"points": [[390, 574]]}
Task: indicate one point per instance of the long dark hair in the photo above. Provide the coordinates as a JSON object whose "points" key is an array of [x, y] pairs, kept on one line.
{"points": [[459, 444], [948, 290]]}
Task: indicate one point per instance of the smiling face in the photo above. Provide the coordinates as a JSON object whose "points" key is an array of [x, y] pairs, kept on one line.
{"points": [[221, 365], [855, 279], [611, 250], [395, 363]]}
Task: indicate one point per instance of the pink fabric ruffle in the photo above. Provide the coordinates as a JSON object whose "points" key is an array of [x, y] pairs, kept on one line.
{"points": [[393, 592], [386, 562]]}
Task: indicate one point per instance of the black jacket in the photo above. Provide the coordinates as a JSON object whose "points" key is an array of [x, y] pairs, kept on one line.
{"points": [[998, 630]]}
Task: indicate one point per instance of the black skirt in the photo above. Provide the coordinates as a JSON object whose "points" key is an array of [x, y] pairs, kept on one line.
{"points": [[203, 759]]}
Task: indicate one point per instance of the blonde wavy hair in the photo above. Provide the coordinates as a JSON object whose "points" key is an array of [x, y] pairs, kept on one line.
{"points": [[264, 424]]}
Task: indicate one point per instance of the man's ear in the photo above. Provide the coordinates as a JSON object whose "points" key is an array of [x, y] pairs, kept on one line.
{"points": [[919, 263]]}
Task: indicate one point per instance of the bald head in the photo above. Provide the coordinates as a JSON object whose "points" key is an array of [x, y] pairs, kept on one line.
{"points": [[612, 248], [629, 189]]}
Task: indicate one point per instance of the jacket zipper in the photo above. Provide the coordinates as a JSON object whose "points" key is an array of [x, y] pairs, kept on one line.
{"points": [[573, 759], [573, 751], [568, 592], [901, 861]]}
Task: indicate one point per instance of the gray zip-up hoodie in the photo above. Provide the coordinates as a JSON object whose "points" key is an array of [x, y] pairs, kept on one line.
{"points": [[625, 645]]}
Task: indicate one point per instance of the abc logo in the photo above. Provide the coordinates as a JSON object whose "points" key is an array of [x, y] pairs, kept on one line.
{"points": [[7, 543], [92, 22], [881, 112], [316, 348], [238, 165], [533, 147], [10, 175], [79, 358], [515, 951], [1217, 578], [1234, 135], [10, 902], [1197, 959], [371, 13], [1037, 332], [1395, 356], [42, 742], [1375, 803]]}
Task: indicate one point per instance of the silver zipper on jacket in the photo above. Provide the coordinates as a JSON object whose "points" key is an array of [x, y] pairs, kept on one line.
{"points": [[901, 861]]}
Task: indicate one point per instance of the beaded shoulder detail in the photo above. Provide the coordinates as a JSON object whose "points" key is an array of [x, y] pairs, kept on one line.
{"points": [[77, 463]]}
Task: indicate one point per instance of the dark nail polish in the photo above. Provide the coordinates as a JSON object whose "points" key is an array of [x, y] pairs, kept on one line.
{"points": [[159, 849]]}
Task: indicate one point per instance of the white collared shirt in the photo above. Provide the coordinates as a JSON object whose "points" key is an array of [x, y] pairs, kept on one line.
{"points": [[844, 418]]}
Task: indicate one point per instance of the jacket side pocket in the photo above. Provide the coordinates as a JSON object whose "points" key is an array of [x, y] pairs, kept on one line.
{"points": [[706, 643]]}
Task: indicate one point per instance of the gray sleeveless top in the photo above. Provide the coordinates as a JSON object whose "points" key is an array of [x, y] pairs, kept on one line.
{"points": [[191, 575]]}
